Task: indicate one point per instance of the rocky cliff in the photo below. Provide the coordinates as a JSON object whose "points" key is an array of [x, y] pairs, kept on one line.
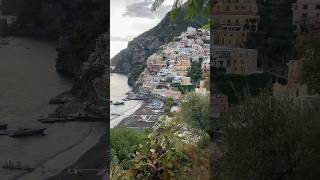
{"points": [[77, 23], [81, 28], [131, 60]]}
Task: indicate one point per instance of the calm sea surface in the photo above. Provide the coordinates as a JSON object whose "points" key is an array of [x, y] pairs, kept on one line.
{"points": [[27, 81]]}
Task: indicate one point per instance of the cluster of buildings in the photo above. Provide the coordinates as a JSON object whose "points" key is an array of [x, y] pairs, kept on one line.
{"points": [[306, 16], [233, 21], [306, 19], [172, 65]]}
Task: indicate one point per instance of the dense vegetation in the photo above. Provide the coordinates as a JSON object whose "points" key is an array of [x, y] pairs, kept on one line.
{"points": [[177, 148], [183, 88], [196, 72], [275, 37], [236, 86], [273, 141], [311, 66]]}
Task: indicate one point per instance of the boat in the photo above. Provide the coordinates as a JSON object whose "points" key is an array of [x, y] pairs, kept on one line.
{"points": [[16, 165], [118, 103], [23, 132], [3, 126]]}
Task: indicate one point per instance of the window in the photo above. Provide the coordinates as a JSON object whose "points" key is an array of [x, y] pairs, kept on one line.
{"points": [[305, 6], [228, 63], [304, 15]]}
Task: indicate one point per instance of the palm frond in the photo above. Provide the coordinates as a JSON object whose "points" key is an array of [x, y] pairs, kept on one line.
{"points": [[156, 4]]}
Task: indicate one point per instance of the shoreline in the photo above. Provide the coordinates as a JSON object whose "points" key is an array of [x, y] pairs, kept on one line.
{"points": [[67, 157], [94, 164], [114, 122]]}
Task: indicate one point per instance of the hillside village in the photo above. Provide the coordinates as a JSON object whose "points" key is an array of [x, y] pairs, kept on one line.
{"points": [[178, 66], [236, 20]]}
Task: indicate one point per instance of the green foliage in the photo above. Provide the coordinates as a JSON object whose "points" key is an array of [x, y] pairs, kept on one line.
{"points": [[235, 86], [195, 110], [158, 158], [311, 66], [196, 72], [166, 154], [204, 141], [275, 37], [196, 8], [168, 105], [124, 142], [184, 88], [265, 138]]}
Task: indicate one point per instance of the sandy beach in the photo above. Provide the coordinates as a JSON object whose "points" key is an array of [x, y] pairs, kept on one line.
{"points": [[117, 120], [143, 117]]}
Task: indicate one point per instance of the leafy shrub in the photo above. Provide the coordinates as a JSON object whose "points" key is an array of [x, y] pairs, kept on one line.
{"points": [[124, 142]]}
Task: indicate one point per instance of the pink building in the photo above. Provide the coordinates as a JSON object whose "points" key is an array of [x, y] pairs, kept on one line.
{"points": [[306, 13]]}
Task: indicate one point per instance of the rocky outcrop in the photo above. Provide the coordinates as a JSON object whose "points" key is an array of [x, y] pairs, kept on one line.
{"points": [[80, 26], [131, 60], [91, 87]]}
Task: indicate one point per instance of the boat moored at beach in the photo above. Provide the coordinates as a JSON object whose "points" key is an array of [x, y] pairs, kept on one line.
{"points": [[16, 165], [3, 126], [118, 103], [23, 132]]}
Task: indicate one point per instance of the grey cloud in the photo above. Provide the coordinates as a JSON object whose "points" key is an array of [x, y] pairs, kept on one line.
{"points": [[117, 38], [142, 9]]}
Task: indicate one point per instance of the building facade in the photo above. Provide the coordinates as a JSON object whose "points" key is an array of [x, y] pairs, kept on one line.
{"points": [[233, 20], [306, 14], [235, 60]]}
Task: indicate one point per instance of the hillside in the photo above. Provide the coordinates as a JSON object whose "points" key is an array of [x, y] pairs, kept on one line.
{"points": [[131, 60]]}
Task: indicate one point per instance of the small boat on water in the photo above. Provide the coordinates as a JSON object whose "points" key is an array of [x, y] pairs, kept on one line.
{"points": [[3, 126], [23, 132], [118, 103]]}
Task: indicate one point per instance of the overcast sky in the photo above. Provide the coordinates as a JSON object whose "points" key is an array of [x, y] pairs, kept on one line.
{"points": [[129, 18]]}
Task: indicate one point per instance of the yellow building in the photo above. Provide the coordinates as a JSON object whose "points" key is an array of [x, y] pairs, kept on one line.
{"points": [[235, 60], [233, 20]]}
